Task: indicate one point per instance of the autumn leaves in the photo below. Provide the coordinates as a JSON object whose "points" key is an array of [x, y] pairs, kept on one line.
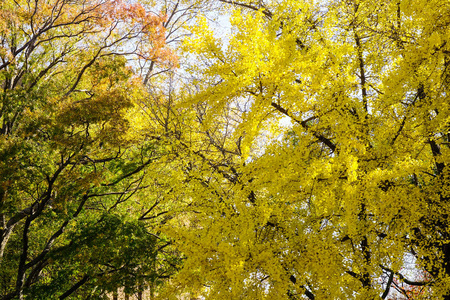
{"points": [[304, 158]]}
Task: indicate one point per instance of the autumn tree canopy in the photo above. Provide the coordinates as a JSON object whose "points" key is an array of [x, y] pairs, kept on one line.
{"points": [[325, 151], [301, 153]]}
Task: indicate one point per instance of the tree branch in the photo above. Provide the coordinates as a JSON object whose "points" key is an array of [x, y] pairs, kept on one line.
{"points": [[304, 124]]}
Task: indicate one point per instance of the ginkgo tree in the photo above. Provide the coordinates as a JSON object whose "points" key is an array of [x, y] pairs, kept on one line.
{"points": [[327, 205]]}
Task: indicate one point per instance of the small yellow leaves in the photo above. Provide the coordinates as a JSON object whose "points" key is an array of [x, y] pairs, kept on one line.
{"points": [[203, 41], [435, 40], [352, 168], [336, 190]]}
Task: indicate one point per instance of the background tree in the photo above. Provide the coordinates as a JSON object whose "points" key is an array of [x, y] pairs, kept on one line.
{"points": [[68, 158]]}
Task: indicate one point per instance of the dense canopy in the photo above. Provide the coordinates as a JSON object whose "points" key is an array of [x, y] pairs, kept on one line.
{"points": [[284, 150]]}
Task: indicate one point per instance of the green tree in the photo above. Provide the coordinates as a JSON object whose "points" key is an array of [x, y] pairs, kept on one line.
{"points": [[68, 159]]}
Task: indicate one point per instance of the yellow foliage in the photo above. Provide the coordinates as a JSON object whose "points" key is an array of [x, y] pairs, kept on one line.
{"points": [[325, 206]]}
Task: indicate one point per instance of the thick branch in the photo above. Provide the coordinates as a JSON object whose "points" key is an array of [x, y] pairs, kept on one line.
{"points": [[308, 293], [388, 285], [304, 124], [23, 258], [406, 280], [436, 153], [74, 287]]}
